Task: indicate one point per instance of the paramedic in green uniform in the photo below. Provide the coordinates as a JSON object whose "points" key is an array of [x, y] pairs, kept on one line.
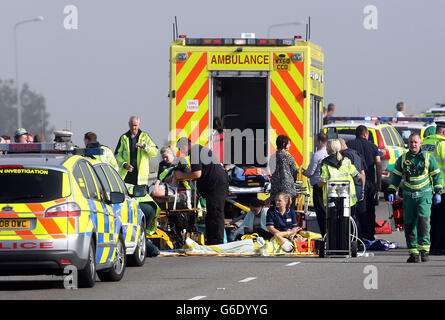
{"points": [[422, 179]]}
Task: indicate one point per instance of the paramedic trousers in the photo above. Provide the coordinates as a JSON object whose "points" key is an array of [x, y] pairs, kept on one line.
{"points": [[416, 217], [214, 219], [149, 213]]}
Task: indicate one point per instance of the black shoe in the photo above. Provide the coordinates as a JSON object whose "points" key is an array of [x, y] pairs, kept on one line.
{"points": [[424, 256], [413, 258]]}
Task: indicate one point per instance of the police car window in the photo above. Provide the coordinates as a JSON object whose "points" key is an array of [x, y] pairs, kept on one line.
{"points": [[90, 181], [103, 178], [387, 137], [80, 179], [30, 185], [120, 181], [114, 184], [398, 141]]}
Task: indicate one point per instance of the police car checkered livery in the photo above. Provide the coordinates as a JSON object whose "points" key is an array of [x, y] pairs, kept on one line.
{"points": [[57, 210]]}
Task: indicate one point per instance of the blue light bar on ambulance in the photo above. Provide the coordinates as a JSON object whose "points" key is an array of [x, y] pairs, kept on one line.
{"points": [[237, 42], [386, 119]]}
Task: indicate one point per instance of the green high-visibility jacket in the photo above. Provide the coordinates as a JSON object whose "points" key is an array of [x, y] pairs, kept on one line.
{"points": [[421, 173], [346, 172], [435, 146], [122, 155], [107, 157]]}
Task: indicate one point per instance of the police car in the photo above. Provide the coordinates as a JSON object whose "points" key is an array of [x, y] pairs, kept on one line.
{"points": [[131, 216], [383, 135], [57, 211], [423, 126]]}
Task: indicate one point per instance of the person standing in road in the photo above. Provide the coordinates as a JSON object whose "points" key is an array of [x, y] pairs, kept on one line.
{"points": [[400, 107], [212, 184], [132, 153], [373, 172], [360, 208], [284, 170], [422, 180], [330, 113], [337, 167], [313, 172], [435, 146], [90, 141]]}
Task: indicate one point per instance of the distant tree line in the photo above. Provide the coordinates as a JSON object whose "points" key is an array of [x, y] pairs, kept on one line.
{"points": [[35, 118]]}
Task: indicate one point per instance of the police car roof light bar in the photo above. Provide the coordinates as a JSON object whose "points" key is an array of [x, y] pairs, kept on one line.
{"points": [[391, 119], [49, 147]]}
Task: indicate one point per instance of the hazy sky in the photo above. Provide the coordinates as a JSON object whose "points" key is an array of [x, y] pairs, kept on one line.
{"points": [[116, 63]]}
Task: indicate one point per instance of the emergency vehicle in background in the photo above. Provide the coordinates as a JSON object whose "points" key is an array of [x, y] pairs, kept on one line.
{"points": [[270, 86]]}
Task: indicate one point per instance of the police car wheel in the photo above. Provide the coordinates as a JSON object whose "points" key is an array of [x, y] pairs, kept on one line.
{"points": [[87, 276], [138, 257], [116, 271]]}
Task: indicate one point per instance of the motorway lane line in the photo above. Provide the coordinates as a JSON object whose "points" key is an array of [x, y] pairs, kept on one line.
{"points": [[248, 279], [292, 264], [198, 298]]}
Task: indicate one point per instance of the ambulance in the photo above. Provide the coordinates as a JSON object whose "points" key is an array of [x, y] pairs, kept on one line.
{"points": [[236, 95]]}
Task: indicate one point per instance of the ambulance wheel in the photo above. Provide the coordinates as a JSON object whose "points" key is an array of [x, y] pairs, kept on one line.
{"points": [[87, 276], [321, 250], [137, 259], [354, 249], [117, 269]]}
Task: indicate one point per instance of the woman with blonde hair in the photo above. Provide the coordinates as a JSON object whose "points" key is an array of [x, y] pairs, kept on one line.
{"points": [[281, 221], [337, 167]]}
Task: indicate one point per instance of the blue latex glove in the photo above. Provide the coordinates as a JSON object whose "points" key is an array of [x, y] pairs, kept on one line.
{"points": [[437, 199], [391, 198]]}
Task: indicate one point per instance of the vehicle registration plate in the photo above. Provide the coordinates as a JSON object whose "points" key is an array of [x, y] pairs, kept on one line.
{"points": [[15, 223]]}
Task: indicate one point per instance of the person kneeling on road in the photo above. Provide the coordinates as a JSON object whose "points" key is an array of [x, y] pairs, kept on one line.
{"points": [[254, 221], [281, 221]]}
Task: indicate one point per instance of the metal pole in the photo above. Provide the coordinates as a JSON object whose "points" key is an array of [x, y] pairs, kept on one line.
{"points": [[19, 107]]}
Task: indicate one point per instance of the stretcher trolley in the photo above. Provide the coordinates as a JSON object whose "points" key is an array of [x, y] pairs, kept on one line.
{"points": [[179, 219], [338, 240]]}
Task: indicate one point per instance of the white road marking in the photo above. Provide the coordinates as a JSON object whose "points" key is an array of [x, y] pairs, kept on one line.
{"points": [[247, 279], [292, 264], [198, 298]]}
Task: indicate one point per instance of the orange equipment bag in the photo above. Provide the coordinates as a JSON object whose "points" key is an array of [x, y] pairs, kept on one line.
{"points": [[397, 213]]}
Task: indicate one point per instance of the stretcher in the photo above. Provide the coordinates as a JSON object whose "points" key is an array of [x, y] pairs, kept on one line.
{"points": [[176, 225]]}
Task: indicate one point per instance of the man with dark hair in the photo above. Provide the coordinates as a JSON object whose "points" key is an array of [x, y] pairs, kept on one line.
{"points": [[90, 140], [373, 172], [329, 113], [6, 138], [212, 184], [254, 221], [313, 172], [359, 213]]}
